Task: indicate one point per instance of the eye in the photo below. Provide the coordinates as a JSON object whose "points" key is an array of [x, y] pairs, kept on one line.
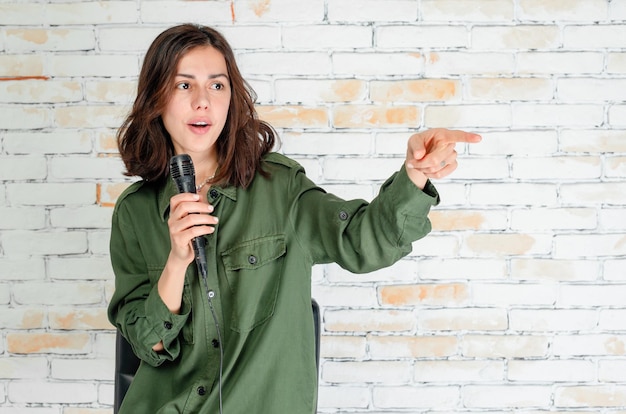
{"points": [[183, 85], [217, 86]]}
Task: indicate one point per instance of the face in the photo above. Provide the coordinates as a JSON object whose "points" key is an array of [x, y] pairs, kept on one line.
{"points": [[196, 112]]}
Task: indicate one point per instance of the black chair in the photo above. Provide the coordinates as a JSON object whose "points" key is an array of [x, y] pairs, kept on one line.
{"points": [[126, 363]]}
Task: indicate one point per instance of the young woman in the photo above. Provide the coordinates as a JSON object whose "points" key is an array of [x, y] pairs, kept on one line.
{"points": [[244, 342]]}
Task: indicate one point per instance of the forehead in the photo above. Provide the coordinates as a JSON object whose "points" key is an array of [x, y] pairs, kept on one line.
{"points": [[203, 58]]}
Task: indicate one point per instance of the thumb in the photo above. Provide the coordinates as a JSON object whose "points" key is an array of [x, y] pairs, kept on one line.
{"points": [[416, 150]]}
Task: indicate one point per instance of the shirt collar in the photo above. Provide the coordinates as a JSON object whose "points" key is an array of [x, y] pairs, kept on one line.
{"points": [[168, 190]]}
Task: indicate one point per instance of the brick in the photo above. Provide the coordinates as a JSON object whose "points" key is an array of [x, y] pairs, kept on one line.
{"points": [[416, 397], [506, 244], [79, 268], [22, 168], [41, 194], [23, 368], [39, 91], [596, 141], [436, 246], [552, 371], [23, 243], [555, 63], [108, 193], [536, 219], [458, 220], [593, 193], [57, 293], [422, 90], [467, 318], [611, 370], [20, 218], [617, 114], [342, 347], [450, 294], [377, 64], [459, 10], [615, 167], [360, 169], [614, 269], [343, 397], [574, 10], [51, 343], [384, 347], [458, 371], [51, 392], [272, 63], [401, 271], [467, 116], [81, 217], [513, 194], [30, 268], [173, 12], [404, 37], [18, 65], [73, 319], [513, 294], [589, 345], [15, 14], [349, 296], [315, 91], [86, 167], [375, 116], [252, 36], [81, 13], [594, 36], [502, 396], [518, 37], [126, 39], [590, 90], [612, 219], [616, 63], [278, 10], [517, 143], [54, 142], [388, 372], [590, 396], [56, 39], [612, 320], [93, 116], [294, 116], [106, 142], [326, 36], [459, 268], [552, 320], [314, 143], [121, 92], [511, 89], [371, 11], [505, 346], [441, 64], [82, 369], [368, 321], [99, 242], [553, 269], [24, 117], [598, 295], [22, 318], [584, 245], [391, 143], [94, 65], [533, 115]]}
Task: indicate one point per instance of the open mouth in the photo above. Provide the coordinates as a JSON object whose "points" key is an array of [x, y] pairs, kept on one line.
{"points": [[200, 126]]}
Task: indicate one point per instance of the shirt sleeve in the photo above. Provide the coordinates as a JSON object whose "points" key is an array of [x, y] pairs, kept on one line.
{"points": [[136, 308], [360, 236]]}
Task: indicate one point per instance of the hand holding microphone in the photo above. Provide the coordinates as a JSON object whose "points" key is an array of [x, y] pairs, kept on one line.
{"points": [[185, 223]]}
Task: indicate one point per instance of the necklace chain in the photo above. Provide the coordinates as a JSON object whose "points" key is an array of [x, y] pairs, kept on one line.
{"points": [[205, 182]]}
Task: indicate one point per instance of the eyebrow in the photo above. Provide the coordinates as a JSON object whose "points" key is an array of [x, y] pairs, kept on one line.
{"points": [[214, 76]]}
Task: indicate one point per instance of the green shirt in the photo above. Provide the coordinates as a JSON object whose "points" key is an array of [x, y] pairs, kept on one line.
{"points": [[259, 266]]}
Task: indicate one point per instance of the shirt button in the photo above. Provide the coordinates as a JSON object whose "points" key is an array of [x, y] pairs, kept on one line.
{"points": [[213, 193], [201, 390], [343, 215], [252, 259], [167, 325], [215, 343]]}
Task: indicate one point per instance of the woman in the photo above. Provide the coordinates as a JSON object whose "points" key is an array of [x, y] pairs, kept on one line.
{"points": [[274, 225]]}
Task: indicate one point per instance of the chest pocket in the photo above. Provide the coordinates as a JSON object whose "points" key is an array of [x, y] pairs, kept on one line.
{"points": [[253, 269]]}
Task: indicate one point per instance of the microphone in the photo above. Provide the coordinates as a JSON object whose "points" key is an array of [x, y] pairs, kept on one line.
{"points": [[184, 175]]}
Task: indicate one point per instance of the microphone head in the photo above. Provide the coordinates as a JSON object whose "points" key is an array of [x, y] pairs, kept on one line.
{"points": [[183, 173], [181, 165]]}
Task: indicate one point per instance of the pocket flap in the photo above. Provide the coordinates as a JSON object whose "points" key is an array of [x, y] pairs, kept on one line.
{"points": [[254, 253]]}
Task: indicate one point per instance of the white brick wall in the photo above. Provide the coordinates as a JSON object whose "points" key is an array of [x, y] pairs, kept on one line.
{"points": [[515, 302]]}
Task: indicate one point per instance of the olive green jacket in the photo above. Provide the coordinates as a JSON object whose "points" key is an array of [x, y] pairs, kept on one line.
{"points": [[259, 259]]}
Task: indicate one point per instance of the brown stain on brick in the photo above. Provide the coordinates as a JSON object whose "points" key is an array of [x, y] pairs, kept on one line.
{"points": [[421, 294], [38, 37], [360, 116], [260, 7], [29, 343], [456, 220], [293, 116], [501, 244], [96, 319], [232, 11], [347, 90], [615, 346], [23, 78], [32, 319]]}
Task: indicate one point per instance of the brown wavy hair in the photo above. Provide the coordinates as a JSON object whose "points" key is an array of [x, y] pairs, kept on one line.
{"points": [[144, 143]]}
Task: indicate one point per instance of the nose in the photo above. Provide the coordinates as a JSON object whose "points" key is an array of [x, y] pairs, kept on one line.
{"points": [[201, 100]]}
